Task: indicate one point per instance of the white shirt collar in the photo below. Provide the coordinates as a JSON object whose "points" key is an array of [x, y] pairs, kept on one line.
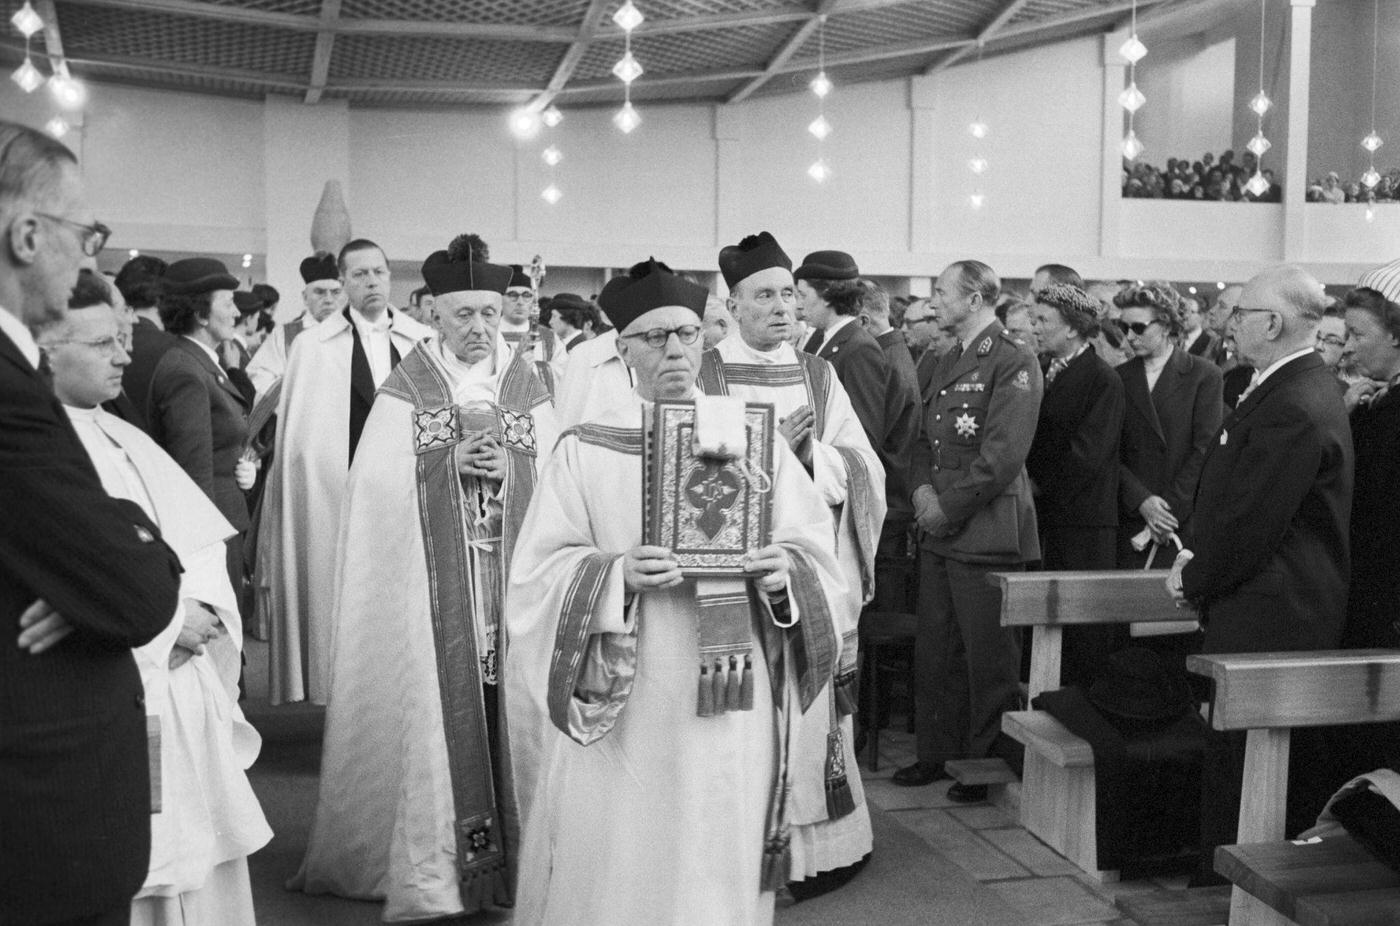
{"points": [[385, 322], [783, 353], [206, 348], [18, 332], [839, 322], [1269, 370]]}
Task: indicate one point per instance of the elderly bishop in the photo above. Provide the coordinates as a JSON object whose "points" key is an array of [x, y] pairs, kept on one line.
{"points": [[417, 803], [831, 833]]}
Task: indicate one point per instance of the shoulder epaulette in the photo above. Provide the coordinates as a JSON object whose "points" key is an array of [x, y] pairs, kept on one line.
{"points": [[985, 347]]}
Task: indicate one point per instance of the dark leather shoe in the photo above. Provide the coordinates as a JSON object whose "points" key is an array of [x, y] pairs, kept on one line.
{"points": [[919, 774], [967, 794]]}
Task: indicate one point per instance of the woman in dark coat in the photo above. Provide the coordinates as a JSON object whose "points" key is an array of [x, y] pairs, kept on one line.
{"points": [[195, 412]]}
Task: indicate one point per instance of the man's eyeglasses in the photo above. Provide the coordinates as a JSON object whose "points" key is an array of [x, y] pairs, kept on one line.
{"points": [[657, 337], [94, 236], [1240, 310], [1137, 328], [107, 347], [519, 297], [1331, 340]]}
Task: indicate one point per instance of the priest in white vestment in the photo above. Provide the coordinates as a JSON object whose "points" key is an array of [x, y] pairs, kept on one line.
{"points": [[327, 392], [417, 802], [651, 806], [206, 819], [831, 830], [323, 295]]}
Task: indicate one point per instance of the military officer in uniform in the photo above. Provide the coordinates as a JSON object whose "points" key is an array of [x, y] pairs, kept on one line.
{"points": [[972, 501]]}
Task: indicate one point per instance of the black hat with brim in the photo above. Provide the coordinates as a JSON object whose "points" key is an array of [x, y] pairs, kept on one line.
{"points": [[247, 303], [195, 275], [827, 265]]}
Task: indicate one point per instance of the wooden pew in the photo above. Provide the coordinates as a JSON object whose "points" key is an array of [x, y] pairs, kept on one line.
{"points": [[1267, 694], [1058, 801]]}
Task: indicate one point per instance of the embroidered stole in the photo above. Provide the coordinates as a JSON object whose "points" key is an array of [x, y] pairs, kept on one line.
{"points": [[810, 647], [486, 838]]}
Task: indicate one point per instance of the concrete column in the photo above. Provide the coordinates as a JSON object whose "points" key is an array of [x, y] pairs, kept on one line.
{"points": [[922, 139], [1111, 150], [1295, 182], [304, 146]]}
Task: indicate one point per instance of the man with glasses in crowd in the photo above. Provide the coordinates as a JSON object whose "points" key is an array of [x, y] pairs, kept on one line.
{"points": [[1267, 562], [831, 825], [521, 328], [83, 579]]}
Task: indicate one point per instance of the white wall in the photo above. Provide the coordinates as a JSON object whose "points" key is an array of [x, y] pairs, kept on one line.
{"points": [[176, 172], [1190, 88]]}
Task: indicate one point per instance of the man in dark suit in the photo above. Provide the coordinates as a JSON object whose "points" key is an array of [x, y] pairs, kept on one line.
{"points": [[830, 295], [972, 500], [879, 318], [1073, 461], [1267, 561], [83, 579], [1173, 409], [139, 283]]}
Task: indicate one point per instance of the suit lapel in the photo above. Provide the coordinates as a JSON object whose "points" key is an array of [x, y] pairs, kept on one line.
{"points": [[213, 369], [1284, 373], [1135, 385], [835, 341]]}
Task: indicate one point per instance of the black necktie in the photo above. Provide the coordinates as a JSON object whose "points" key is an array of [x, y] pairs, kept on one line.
{"points": [[45, 371]]}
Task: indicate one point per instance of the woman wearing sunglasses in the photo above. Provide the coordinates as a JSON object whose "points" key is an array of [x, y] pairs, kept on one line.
{"points": [[1172, 411]]}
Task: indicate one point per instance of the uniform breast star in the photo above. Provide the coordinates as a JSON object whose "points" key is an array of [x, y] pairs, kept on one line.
{"points": [[966, 425]]}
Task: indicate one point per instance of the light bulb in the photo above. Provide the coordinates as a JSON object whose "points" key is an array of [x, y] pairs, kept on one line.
{"points": [[1259, 144], [28, 77], [628, 17], [1132, 50], [1132, 147], [551, 194], [978, 129], [1132, 99], [69, 92], [1370, 178], [552, 116], [1372, 142], [1220, 286], [26, 20], [1260, 104], [977, 199], [1257, 184], [627, 69], [133, 253], [819, 171], [978, 165], [247, 261], [1370, 214], [627, 118], [552, 155], [820, 84], [57, 127], [524, 123], [820, 127]]}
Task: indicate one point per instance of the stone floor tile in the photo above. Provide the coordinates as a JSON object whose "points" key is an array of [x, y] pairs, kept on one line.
{"points": [[982, 816], [960, 845], [1055, 901], [1030, 852]]}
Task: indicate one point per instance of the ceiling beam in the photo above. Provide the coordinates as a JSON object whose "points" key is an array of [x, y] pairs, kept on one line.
{"points": [[270, 80], [53, 42], [683, 77], [784, 55], [1003, 16], [321, 57], [569, 63]]}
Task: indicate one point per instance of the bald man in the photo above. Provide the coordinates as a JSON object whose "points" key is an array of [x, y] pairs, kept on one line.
{"points": [[1267, 564]]}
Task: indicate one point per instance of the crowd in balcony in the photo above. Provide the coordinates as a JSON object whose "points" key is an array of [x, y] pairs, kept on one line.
{"points": [[1222, 179]]}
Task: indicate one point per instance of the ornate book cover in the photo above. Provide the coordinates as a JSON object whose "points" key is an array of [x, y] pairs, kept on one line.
{"points": [[708, 511]]}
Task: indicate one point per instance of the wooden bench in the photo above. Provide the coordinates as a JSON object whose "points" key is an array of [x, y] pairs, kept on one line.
{"points": [[1058, 800], [1267, 694]]}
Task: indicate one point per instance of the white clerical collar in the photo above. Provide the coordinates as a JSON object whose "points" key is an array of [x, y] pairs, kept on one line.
{"points": [[1269, 370], [81, 414], [18, 332], [204, 347]]}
